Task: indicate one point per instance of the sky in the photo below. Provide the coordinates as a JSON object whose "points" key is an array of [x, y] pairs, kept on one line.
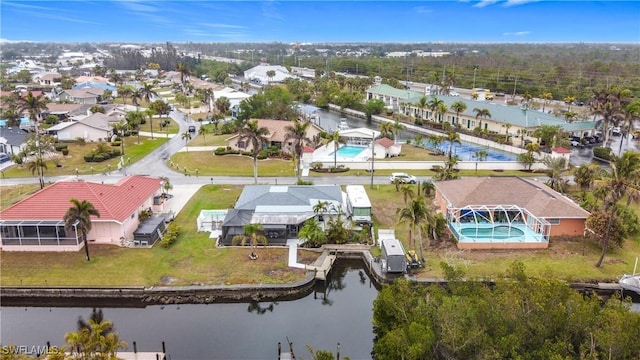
{"points": [[314, 21]]}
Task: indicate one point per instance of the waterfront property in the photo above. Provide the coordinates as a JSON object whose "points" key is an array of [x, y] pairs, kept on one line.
{"points": [[36, 223], [507, 213], [276, 136], [282, 210]]}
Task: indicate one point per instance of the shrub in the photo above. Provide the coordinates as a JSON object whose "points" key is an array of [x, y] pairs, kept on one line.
{"points": [[170, 235], [65, 151], [604, 153], [60, 147], [100, 153], [116, 143]]}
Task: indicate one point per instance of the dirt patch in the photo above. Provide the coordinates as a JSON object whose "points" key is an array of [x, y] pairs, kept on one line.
{"points": [[167, 280]]}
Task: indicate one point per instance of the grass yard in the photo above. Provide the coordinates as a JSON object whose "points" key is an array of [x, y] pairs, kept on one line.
{"points": [[194, 259], [229, 165], [75, 159], [209, 139], [173, 126], [10, 195], [567, 259]]}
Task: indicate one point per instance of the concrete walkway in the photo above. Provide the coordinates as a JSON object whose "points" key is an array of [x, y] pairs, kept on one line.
{"points": [[293, 254]]}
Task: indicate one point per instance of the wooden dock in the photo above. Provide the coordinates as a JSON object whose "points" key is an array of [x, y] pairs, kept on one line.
{"points": [[324, 268]]}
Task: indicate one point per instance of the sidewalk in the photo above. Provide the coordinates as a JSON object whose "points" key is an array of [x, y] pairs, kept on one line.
{"points": [[199, 148]]}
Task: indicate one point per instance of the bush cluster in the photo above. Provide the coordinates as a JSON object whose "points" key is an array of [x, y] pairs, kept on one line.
{"points": [[101, 153], [170, 235], [603, 153]]}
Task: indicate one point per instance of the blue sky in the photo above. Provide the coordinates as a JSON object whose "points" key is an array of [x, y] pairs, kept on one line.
{"points": [[321, 21]]}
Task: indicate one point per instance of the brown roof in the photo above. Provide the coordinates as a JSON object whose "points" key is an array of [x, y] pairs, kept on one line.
{"points": [[534, 196], [385, 142], [62, 108], [85, 93], [114, 202]]}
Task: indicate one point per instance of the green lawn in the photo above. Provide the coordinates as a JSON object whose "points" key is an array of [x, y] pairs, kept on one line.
{"points": [[173, 126], [194, 259], [75, 159], [12, 194], [229, 165], [209, 139]]}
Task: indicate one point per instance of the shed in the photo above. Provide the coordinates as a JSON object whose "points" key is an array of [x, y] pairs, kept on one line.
{"points": [[149, 231], [393, 256]]}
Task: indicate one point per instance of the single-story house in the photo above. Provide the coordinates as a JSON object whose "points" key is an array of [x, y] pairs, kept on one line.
{"points": [[259, 75], [48, 79], [507, 212], [282, 210], [83, 96], [385, 148], [91, 128], [359, 136], [36, 223], [234, 96], [276, 136], [12, 140]]}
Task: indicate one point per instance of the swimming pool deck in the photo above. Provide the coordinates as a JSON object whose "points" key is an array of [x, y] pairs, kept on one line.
{"points": [[325, 154], [530, 239]]}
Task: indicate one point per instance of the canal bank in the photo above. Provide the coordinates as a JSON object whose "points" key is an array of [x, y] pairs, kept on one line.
{"points": [[159, 295]]}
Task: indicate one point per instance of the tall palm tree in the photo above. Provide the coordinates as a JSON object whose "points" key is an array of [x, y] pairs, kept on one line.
{"points": [[296, 135], [313, 233], [480, 113], [415, 215], [203, 131], [251, 132], [254, 235], [569, 100], [628, 118], [586, 174], [78, 216], [150, 113], [186, 136], [433, 106], [222, 104], [337, 140], [555, 167], [624, 175], [147, 92], [38, 165], [458, 107], [397, 126], [184, 71], [545, 99], [386, 129], [422, 104], [35, 105], [453, 138]]}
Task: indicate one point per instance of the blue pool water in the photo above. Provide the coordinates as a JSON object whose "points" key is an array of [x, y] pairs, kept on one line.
{"points": [[23, 121], [497, 232], [471, 232], [467, 152], [350, 151]]}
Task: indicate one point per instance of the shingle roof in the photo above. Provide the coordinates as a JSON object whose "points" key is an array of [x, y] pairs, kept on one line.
{"points": [[113, 201], [258, 195], [536, 197], [14, 136]]}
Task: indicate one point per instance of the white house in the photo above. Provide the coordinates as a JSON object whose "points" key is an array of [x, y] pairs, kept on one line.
{"points": [[259, 74], [386, 147], [92, 128]]}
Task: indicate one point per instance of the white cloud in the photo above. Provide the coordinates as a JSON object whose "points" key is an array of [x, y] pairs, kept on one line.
{"points": [[517, 33], [222, 26], [483, 3], [518, 2]]}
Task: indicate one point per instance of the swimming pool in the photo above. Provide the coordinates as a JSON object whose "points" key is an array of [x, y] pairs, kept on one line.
{"points": [[467, 152], [349, 151], [501, 232], [23, 121]]}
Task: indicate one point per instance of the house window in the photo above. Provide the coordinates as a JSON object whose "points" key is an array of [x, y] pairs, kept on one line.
{"points": [[554, 221], [132, 215], [241, 144]]}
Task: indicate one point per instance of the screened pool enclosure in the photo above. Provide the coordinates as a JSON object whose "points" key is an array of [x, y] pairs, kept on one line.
{"points": [[497, 224]]}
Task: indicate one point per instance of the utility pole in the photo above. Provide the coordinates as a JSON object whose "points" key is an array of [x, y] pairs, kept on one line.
{"points": [[515, 84], [373, 137], [474, 77]]}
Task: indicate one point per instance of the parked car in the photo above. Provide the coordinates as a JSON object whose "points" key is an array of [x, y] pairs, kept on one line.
{"points": [[192, 129], [403, 178], [4, 158], [453, 93]]}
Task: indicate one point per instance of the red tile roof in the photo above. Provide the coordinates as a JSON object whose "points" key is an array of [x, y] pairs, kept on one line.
{"points": [[113, 201], [308, 149], [385, 142], [561, 150]]}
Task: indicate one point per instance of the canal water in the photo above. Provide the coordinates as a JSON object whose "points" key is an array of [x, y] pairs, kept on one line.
{"points": [[339, 312]]}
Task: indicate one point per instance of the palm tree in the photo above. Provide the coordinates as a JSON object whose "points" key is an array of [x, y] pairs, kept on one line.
{"points": [[433, 106], [147, 92], [458, 107], [258, 138], [555, 167], [337, 140], [222, 105], [121, 128], [203, 131], [585, 175], [441, 110], [396, 128], [545, 99], [184, 71], [254, 234], [480, 113], [150, 114], [423, 103], [134, 119], [624, 176], [415, 215], [407, 192], [480, 155], [569, 100], [35, 105], [386, 129], [453, 138], [186, 136], [124, 92], [296, 136], [38, 165], [271, 74], [506, 127], [629, 116], [78, 216], [135, 96], [313, 233]]}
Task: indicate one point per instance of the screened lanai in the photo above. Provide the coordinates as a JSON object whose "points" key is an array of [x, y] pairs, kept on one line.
{"points": [[497, 224], [37, 232]]}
